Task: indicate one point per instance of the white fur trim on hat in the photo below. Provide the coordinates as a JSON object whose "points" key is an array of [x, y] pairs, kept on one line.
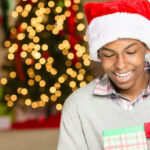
{"points": [[108, 28]]}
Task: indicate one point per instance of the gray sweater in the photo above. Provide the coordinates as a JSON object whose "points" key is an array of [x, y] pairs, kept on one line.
{"points": [[85, 116]]}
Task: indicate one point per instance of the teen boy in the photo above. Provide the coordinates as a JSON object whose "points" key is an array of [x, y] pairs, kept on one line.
{"points": [[119, 37]]}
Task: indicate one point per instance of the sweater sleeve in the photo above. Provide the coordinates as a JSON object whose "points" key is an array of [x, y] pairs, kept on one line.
{"points": [[71, 133]]}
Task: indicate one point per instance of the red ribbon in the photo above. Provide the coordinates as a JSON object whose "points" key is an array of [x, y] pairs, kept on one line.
{"points": [[147, 129]]}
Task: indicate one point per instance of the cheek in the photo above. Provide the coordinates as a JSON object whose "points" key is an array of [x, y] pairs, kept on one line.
{"points": [[137, 60], [107, 65]]}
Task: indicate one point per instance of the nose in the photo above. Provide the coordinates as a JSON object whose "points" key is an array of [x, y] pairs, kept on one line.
{"points": [[121, 62]]}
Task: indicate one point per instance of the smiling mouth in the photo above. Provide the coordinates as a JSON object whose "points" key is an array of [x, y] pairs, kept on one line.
{"points": [[123, 75]]}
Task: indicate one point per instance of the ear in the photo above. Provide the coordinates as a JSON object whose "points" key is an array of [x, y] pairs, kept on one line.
{"points": [[147, 51], [98, 54]]}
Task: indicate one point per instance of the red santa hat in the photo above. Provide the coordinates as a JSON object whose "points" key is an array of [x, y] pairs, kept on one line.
{"points": [[108, 21]]}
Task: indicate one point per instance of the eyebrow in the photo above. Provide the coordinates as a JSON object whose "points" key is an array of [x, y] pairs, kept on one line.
{"points": [[104, 48]]}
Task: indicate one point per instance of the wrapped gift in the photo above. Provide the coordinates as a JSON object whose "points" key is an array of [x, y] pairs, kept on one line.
{"points": [[131, 138]]}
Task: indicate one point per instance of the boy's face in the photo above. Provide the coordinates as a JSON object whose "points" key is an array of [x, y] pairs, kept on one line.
{"points": [[123, 62]]}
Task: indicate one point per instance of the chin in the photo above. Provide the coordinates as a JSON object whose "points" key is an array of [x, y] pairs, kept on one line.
{"points": [[124, 86]]}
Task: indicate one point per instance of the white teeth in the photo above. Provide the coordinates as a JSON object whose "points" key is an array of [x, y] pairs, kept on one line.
{"points": [[123, 74]]}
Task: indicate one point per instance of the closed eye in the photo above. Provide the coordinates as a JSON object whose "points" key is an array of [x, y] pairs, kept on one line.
{"points": [[108, 55], [131, 52]]}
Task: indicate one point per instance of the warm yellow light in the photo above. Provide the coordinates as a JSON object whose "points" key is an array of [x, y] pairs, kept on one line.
{"points": [[12, 49], [69, 71], [28, 7], [51, 4], [28, 61], [34, 1], [77, 1], [87, 62], [58, 93], [52, 89], [57, 85], [68, 63], [42, 83], [24, 91], [19, 90], [44, 98], [10, 103], [24, 13], [47, 10], [38, 66], [89, 78], [40, 28], [85, 56], [24, 25], [36, 55], [7, 97], [61, 79], [31, 82], [85, 38], [38, 78], [80, 15], [80, 77], [34, 105], [61, 46], [81, 27], [72, 84], [53, 71], [21, 36], [74, 74], [32, 33], [15, 14], [67, 3], [55, 31], [70, 56], [28, 102], [44, 47], [36, 39], [78, 65], [37, 47], [74, 89], [29, 28], [13, 97], [58, 9], [31, 45], [19, 9], [50, 60], [65, 51], [65, 76], [23, 54], [53, 98], [49, 27], [41, 103], [75, 7], [13, 31], [83, 83], [59, 107], [42, 61], [12, 74], [67, 13], [79, 54], [25, 47], [40, 5], [11, 56], [82, 71], [7, 43], [31, 73]]}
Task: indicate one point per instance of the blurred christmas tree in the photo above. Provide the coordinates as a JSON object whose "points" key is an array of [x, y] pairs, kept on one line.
{"points": [[47, 53]]}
